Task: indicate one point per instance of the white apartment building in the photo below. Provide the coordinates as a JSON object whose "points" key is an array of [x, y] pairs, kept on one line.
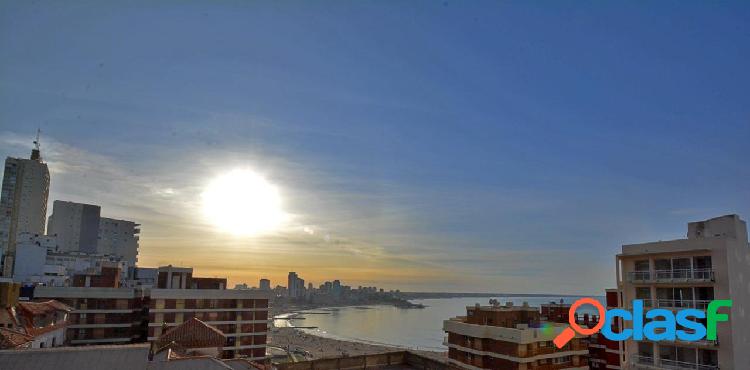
{"points": [[23, 204], [120, 238], [712, 263], [80, 228], [31, 261], [38, 262]]}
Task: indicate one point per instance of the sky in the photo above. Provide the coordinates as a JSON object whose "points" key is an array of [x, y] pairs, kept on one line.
{"points": [[427, 146]]}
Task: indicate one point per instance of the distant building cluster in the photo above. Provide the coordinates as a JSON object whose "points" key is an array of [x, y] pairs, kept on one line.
{"points": [[78, 282], [330, 292], [76, 242]]}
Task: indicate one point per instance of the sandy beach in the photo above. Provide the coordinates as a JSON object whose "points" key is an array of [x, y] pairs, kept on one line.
{"points": [[296, 340], [307, 346]]}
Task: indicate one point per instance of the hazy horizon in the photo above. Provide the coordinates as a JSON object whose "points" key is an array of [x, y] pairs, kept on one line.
{"points": [[507, 147]]}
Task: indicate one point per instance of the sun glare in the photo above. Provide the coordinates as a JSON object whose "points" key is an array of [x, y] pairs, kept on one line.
{"points": [[243, 203]]}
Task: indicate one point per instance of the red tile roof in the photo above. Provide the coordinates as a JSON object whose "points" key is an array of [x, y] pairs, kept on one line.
{"points": [[41, 308], [10, 339], [193, 333]]}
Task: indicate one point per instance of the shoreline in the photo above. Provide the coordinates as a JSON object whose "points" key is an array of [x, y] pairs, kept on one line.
{"points": [[300, 344], [284, 309], [303, 345]]}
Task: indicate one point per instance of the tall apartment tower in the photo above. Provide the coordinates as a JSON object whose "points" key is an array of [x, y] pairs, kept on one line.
{"points": [[292, 285], [712, 263], [119, 238], [76, 226], [264, 284], [23, 203]]}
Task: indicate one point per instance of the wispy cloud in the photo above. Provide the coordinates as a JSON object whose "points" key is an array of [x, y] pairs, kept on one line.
{"points": [[349, 228]]}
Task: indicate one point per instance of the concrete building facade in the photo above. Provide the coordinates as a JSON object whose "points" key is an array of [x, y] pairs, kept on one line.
{"points": [[510, 337], [295, 286], [264, 284], [119, 238], [111, 315], [76, 226], [688, 273], [605, 353], [242, 315], [23, 204]]}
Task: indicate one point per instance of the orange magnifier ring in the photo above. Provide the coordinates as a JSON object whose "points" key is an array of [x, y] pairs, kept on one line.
{"points": [[572, 316], [570, 332]]}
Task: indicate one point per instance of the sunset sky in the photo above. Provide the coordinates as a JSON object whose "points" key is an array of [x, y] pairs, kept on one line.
{"points": [[431, 146]]}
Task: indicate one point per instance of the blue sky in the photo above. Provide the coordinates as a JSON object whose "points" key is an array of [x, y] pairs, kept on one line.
{"points": [[465, 146]]}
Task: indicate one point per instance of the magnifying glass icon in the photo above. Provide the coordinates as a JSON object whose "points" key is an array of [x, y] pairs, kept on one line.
{"points": [[570, 332]]}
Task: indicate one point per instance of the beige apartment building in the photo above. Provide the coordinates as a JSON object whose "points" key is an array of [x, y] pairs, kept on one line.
{"points": [[712, 263]]}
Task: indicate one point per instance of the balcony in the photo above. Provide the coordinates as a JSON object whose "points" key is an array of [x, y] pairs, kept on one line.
{"points": [[651, 363], [676, 303], [672, 276]]}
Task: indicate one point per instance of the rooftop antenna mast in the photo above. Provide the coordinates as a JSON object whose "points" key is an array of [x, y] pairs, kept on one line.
{"points": [[36, 153]]}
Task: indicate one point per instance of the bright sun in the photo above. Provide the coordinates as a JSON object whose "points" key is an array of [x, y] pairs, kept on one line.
{"points": [[243, 203]]}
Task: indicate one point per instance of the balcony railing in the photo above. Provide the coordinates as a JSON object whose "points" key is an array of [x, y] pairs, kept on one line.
{"points": [[647, 362], [671, 276], [676, 303]]}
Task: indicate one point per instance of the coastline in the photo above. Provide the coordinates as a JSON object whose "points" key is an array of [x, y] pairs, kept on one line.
{"points": [[301, 344], [285, 309]]}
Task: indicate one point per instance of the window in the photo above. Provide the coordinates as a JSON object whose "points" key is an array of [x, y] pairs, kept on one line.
{"points": [[702, 262], [662, 265], [708, 357], [643, 293], [682, 267], [645, 349], [642, 265]]}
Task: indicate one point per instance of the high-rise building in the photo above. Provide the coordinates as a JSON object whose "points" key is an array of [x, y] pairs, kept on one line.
{"points": [[295, 285], [23, 203], [119, 238], [76, 226], [689, 273], [510, 337], [79, 227], [264, 284]]}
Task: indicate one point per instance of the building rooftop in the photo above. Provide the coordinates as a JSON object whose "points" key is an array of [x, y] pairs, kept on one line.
{"points": [[10, 339], [120, 357], [193, 333], [503, 308], [43, 308], [111, 357]]}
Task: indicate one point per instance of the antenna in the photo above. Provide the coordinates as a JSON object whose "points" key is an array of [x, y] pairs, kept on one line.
{"points": [[35, 153], [36, 142]]}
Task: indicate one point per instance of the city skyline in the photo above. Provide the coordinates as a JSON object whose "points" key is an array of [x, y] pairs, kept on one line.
{"points": [[473, 163]]}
